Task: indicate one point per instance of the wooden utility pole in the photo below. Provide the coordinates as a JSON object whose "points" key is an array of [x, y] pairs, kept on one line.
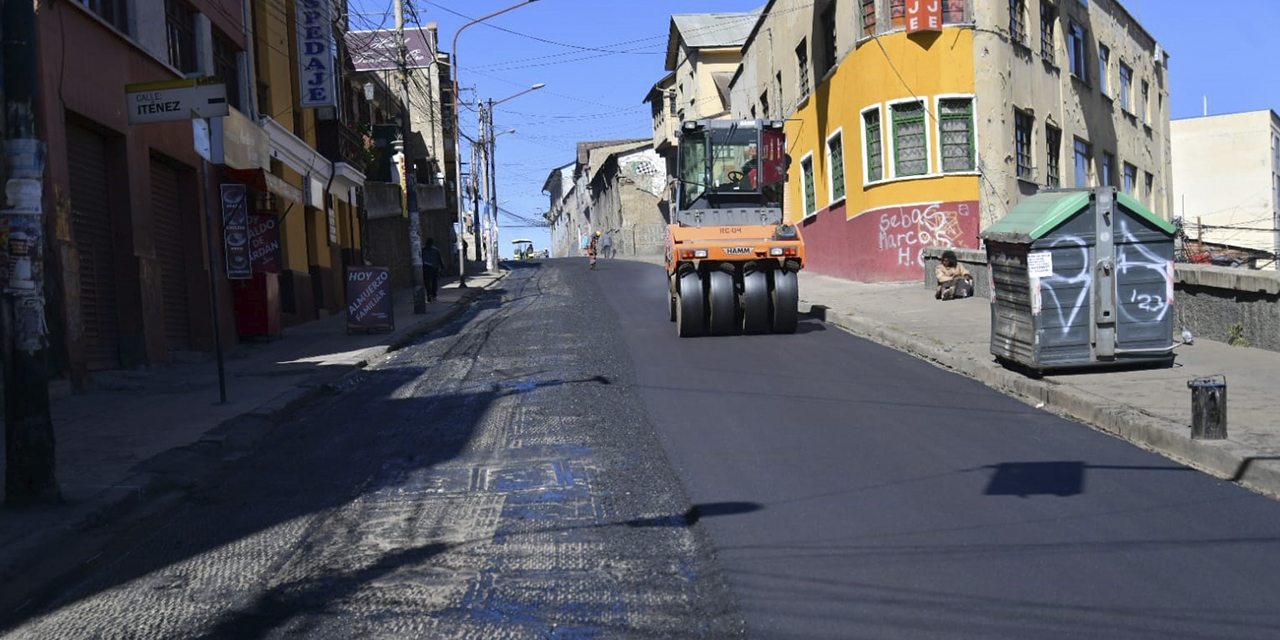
{"points": [[29, 443], [409, 179]]}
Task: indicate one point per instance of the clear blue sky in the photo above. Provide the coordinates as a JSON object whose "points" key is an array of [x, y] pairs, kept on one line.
{"points": [[599, 58]]}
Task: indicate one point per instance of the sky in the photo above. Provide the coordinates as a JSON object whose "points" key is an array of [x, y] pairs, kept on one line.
{"points": [[599, 58]]}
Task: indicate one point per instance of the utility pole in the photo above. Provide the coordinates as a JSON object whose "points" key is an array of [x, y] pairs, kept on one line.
{"points": [[482, 218], [493, 188], [409, 180], [30, 477]]}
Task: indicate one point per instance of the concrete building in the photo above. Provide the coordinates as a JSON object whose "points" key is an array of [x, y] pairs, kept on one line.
{"points": [[560, 215], [914, 124], [625, 182], [1226, 180]]}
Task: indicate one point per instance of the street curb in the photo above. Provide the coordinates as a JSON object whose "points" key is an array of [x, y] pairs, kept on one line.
{"points": [[1219, 458]]}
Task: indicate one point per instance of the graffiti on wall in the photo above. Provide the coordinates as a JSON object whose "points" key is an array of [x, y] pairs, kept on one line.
{"points": [[647, 171], [904, 231]]}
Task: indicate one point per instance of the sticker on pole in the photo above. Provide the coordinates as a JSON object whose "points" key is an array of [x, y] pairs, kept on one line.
{"points": [[1040, 264]]}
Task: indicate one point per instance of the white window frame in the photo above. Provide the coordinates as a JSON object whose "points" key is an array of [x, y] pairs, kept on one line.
{"points": [[937, 122], [866, 160], [890, 151], [804, 206], [844, 168]]}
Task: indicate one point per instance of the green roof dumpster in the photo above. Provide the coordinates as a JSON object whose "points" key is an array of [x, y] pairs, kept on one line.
{"points": [[1080, 278]]}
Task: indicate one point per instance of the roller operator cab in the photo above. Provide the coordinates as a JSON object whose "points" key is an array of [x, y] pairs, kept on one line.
{"points": [[732, 257]]}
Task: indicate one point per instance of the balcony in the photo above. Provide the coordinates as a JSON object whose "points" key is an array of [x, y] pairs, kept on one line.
{"points": [[339, 143]]}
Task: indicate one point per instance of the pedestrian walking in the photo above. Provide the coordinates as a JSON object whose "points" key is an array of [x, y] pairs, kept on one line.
{"points": [[606, 244], [432, 263], [592, 248]]}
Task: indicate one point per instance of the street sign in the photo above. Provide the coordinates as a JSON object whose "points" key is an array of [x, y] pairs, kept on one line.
{"points": [[171, 100]]}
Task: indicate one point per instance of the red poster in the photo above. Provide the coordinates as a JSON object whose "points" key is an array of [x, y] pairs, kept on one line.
{"points": [[924, 15], [264, 243]]}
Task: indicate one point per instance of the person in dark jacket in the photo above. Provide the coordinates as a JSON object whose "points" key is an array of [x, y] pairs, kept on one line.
{"points": [[432, 263]]}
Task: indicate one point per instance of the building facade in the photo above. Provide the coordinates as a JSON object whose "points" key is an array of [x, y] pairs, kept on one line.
{"points": [[910, 128], [1226, 171]]}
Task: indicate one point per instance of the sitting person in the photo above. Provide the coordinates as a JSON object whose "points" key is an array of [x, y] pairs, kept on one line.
{"points": [[954, 280]]}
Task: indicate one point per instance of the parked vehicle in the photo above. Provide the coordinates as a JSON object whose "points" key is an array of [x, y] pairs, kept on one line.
{"points": [[732, 259]]}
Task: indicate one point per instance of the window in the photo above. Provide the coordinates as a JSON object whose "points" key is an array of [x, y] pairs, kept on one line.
{"points": [[1275, 152], [955, 124], [114, 12], [868, 17], [671, 103], [1048, 18], [1082, 163], [897, 13], [952, 11], [1104, 59], [180, 27], [1277, 192], [764, 104], [1130, 178], [910, 147], [227, 66], [1075, 49], [1146, 101], [806, 176], [1022, 126], [1053, 145], [835, 163], [1151, 191], [875, 155], [802, 67], [1017, 23], [1126, 86], [1108, 166], [828, 20]]}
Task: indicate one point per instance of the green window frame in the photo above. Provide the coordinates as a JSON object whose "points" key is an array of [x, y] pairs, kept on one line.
{"points": [[910, 140], [955, 131], [874, 143], [835, 163], [810, 196]]}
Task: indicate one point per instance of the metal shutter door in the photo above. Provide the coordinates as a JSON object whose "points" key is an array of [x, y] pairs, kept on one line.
{"points": [[91, 224], [166, 212]]}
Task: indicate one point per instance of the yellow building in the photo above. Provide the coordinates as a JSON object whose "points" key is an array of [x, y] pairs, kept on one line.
{"points": [[910, 129]]}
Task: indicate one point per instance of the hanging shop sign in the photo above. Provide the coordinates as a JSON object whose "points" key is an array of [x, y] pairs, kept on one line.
{"points": [[316, 60], [264, 243], [378, 50], [924, 15], [235, 231], [369, 300]]}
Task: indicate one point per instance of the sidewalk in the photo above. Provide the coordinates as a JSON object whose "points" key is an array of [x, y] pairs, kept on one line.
{"points": [[142, 437], [1149, 407]]}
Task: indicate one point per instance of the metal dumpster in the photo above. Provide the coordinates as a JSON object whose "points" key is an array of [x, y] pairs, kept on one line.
{"points": [[1081, 278]]}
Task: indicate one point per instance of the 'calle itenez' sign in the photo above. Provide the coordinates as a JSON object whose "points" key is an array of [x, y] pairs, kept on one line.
{"points": [[171, 100]]}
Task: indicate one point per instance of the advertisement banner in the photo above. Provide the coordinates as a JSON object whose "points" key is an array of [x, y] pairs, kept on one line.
{"points": [[369, 299], [378, 50], [22, 238], [316, 59], [264, 243], [235, 231]]}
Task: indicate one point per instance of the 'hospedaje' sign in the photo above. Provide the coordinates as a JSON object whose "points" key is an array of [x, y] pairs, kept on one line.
{"points": [[315, 55]]}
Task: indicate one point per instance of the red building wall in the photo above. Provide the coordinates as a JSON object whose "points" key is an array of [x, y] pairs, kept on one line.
{"points": [[884, 245]]}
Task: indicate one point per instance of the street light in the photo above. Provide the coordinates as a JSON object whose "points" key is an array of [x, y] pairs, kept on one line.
{"points": [[457, 130], [493, 191]]}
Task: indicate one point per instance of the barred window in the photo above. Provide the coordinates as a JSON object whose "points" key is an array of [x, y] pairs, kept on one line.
{"points": [[802, 67], [875, 153], [1022, 126], [224, 62], [1017, 23], [1048, 20], [1053, 145], [910, 144], [114, 12], [955, 124], [869, 17]]}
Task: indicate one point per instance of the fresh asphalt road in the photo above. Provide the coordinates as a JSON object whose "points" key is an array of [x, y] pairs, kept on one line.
{"points": [[897, 500], [556, 463]]}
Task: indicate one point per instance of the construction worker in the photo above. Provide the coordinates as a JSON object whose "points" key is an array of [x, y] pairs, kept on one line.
{"points": [[592, 248]]}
